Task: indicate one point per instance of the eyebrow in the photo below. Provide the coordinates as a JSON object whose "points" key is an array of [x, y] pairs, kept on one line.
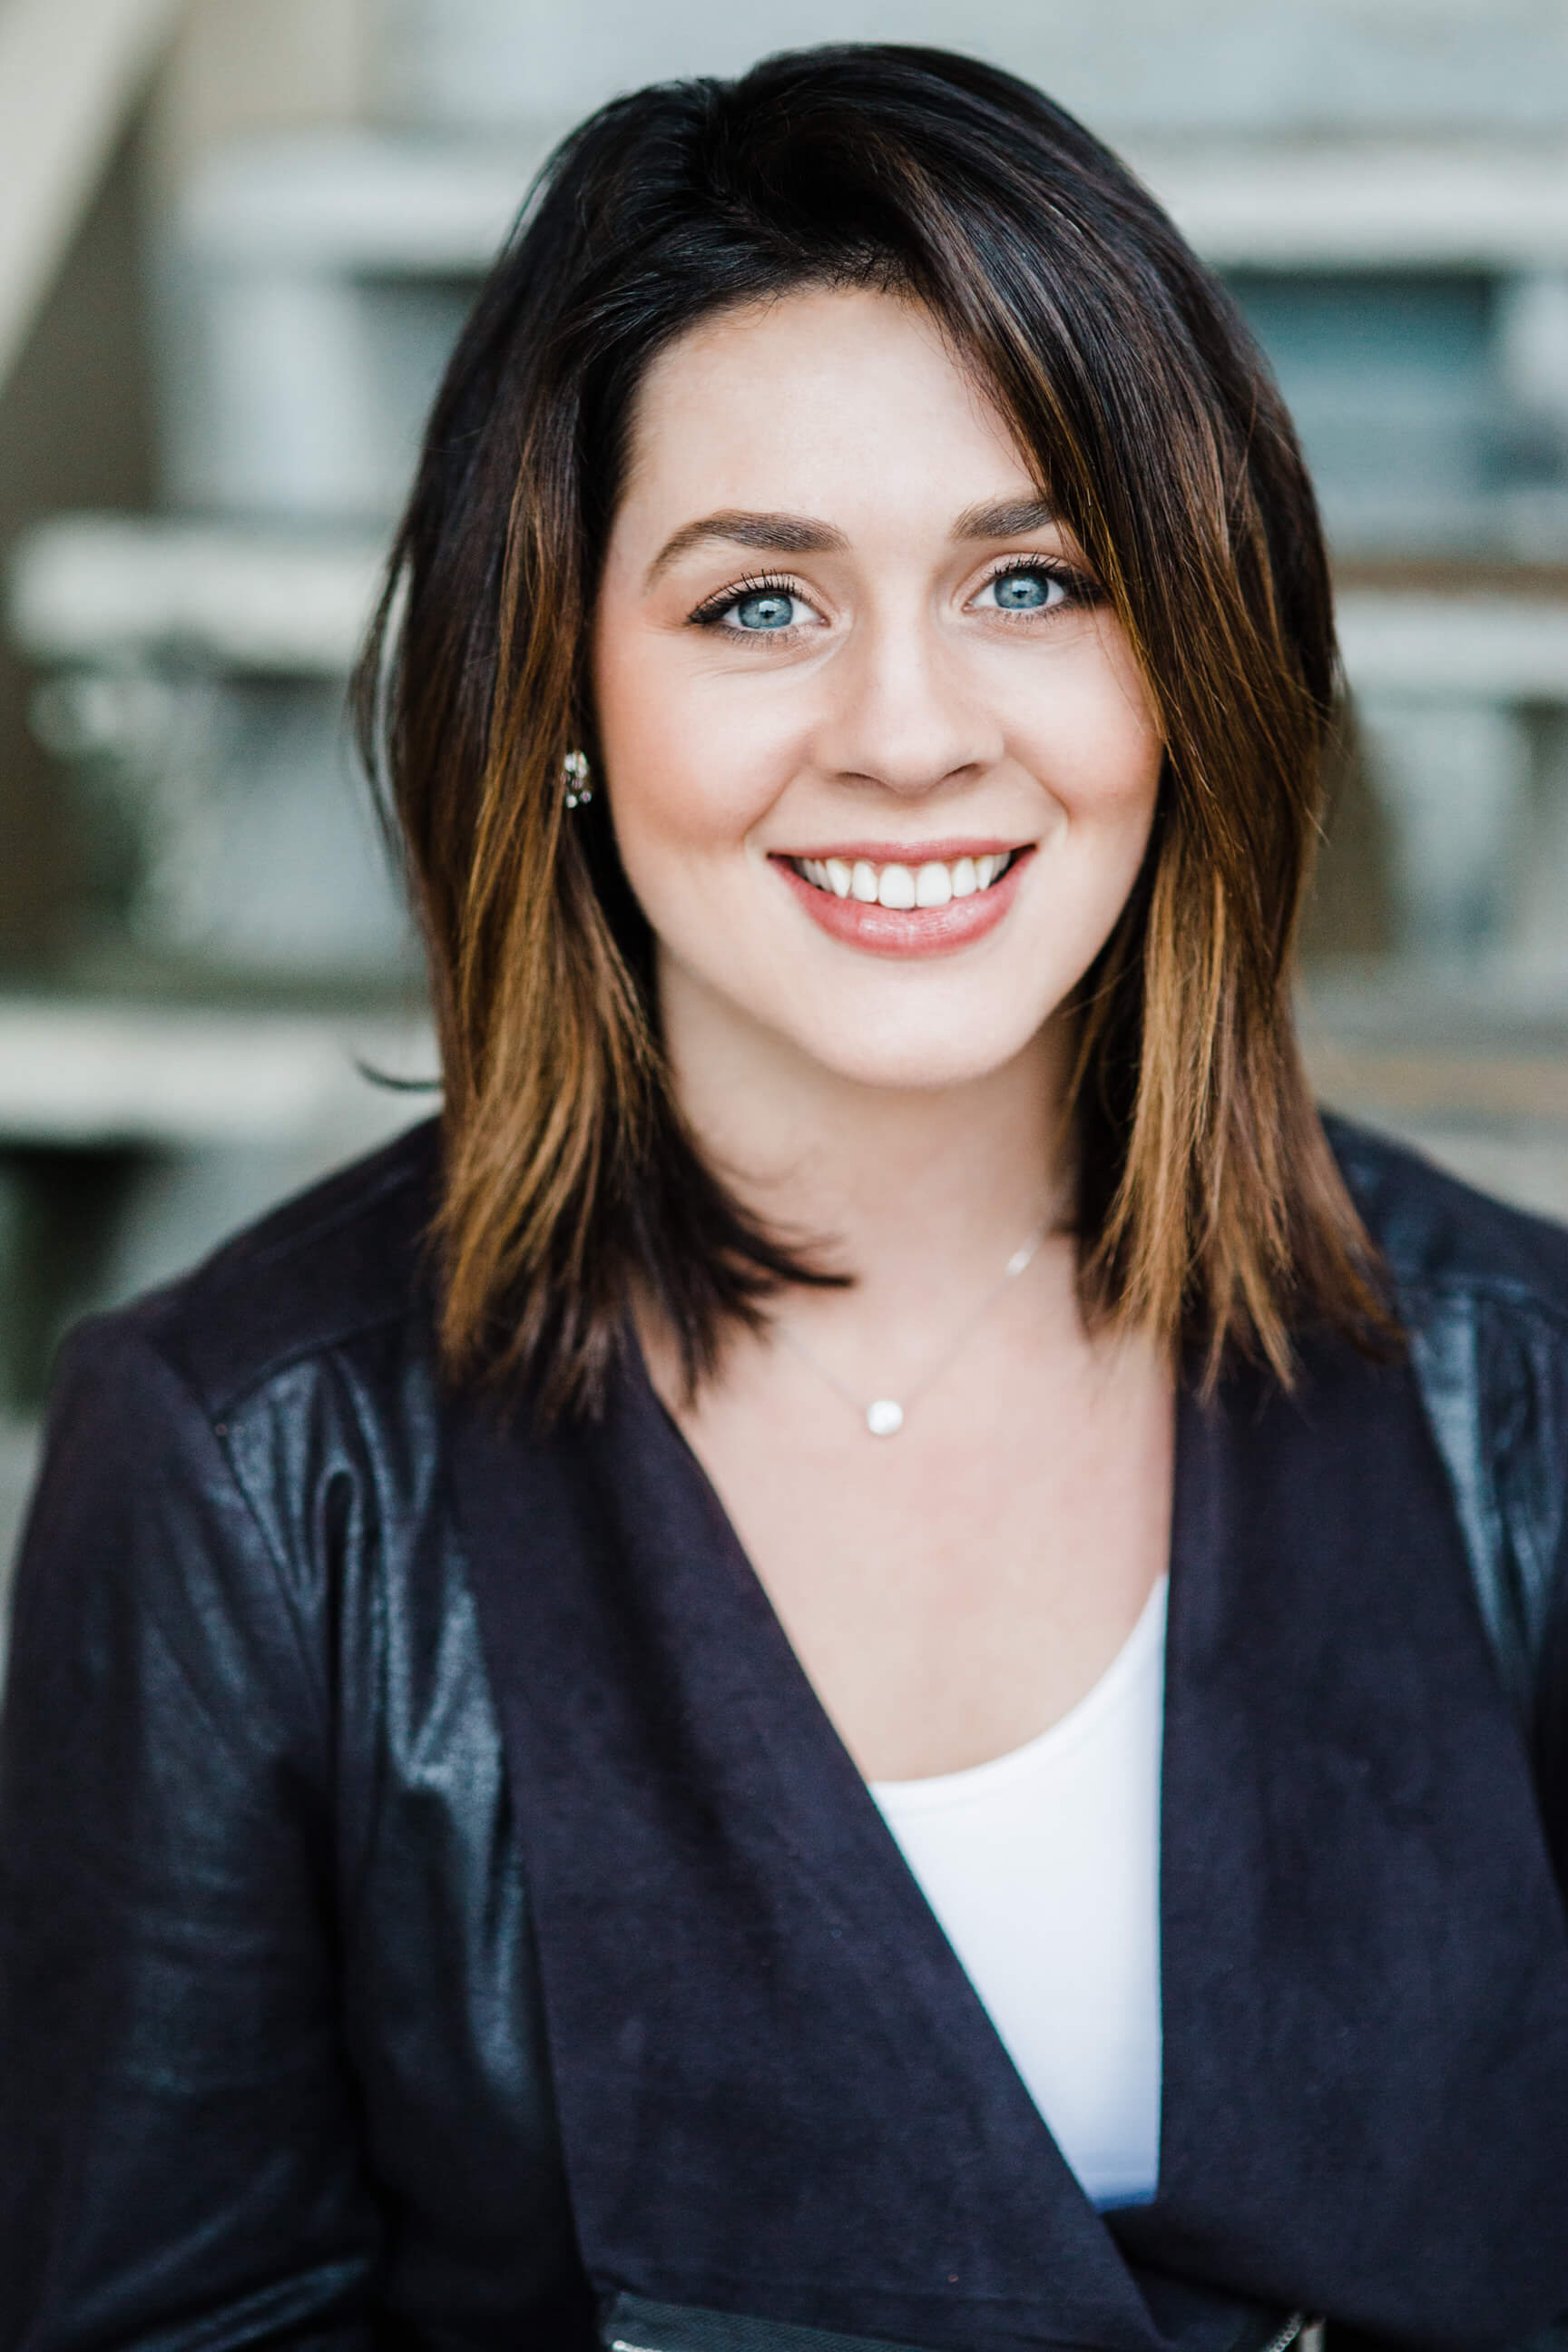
{"points": [[772, 534], [787, 534], [1003, 519]]}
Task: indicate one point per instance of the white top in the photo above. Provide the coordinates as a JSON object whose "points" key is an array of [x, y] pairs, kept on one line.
{"points": [[1043, 1868]]}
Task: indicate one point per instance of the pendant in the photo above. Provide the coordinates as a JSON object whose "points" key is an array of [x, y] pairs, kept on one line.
{"points": [[884, 1419]]}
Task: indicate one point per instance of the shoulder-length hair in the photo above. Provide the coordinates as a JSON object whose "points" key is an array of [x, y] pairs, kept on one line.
{"points": [[1210, 1209]]}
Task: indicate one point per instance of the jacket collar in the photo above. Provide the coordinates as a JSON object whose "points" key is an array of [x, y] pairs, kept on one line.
{"points": [[777, 2091]]}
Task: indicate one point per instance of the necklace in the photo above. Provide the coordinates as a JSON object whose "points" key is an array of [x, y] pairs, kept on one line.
{"points": [[884, 1416]]}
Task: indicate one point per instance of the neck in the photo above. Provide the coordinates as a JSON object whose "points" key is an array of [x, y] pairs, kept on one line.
{"points": [[916, 1192]]}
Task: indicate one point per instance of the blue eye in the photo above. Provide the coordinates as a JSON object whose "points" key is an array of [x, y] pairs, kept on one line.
{"points": [[1024, 592], [771, 608], [759, 607]]}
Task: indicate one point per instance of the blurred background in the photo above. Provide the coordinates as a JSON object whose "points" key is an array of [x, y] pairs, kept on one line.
{"points": [[237, 238]]}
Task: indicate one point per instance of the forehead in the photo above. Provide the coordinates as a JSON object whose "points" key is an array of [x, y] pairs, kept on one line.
{"points": [[821, 401]]}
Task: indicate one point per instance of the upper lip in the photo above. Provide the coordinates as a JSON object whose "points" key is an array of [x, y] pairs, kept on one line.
{"points": [[909, 853]]}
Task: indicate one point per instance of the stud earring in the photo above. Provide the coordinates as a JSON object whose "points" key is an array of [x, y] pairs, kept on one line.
{"points": [[575, 775]]}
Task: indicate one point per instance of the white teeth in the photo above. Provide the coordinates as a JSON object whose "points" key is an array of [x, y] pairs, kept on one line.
{"points": [[903, 886]]}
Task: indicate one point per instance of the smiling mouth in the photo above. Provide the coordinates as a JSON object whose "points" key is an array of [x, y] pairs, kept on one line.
{"points": [[935, 883]]}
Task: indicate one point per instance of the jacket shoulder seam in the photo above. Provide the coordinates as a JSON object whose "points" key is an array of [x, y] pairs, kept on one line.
{"points": [[277, 1565], [319, 1348]]}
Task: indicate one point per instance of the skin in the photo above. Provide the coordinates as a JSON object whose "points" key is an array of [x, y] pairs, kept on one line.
{"points": [[889, 1085]]}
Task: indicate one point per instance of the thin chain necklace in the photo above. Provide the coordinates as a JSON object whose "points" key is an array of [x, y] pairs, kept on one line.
{"points": [[884, 1416]]}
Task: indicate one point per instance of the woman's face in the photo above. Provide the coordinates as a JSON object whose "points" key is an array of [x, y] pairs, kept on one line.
{"points": [[880, 764]]}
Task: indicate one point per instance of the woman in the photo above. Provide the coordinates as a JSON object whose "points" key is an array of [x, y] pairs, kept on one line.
{"points": [[595, 1751]]}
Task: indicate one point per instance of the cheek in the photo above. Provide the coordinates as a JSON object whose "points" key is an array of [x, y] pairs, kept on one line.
{"points": [[681, 775], [1098, 748]]}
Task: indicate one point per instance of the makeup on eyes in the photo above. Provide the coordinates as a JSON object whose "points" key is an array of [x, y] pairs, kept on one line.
{"points": [[741, 592], [1079, 591]]}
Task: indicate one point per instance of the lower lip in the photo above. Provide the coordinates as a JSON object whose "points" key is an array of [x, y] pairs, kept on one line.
{"points": [[911, 930]]}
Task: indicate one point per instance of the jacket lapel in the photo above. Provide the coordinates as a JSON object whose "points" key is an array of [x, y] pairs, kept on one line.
{"points": [[778, 2094], [1365, 1973]]}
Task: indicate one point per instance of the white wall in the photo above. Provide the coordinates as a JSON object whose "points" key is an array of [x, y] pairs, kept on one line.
{"points": [[238, 66], [1239, 65]]}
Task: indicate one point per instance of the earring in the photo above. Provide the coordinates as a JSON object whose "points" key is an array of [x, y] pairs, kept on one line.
{"points": [[575, 775]]}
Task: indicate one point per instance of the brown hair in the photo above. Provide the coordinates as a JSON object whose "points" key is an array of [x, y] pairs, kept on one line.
{"points": [[1210, 1208]]}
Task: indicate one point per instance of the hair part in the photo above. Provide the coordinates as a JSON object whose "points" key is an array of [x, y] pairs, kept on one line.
{"points": [[1211, 1211]]}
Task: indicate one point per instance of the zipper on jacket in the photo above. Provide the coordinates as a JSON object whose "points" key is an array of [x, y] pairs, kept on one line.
{"points": [[1305, 2335]]}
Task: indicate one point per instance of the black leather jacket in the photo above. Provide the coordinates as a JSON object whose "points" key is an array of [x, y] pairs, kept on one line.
{"points": [[273, 2065]]}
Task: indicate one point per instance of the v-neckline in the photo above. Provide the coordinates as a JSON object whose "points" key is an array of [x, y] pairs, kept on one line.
{"points": [[789, 1674], [779, 2091]]}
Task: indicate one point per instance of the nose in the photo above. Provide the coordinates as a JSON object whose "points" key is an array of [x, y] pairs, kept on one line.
{"points": [[902, 713]]}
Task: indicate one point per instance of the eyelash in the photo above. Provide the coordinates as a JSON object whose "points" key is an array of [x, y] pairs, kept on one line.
{"points": [[1080, 590], [769, 583]]}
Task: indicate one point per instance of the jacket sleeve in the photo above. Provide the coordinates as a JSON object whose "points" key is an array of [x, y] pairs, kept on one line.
{"points": [[179, 2156]]}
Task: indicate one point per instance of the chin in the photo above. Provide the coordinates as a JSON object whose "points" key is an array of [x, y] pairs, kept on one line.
{"points": [[916, 1060]]}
